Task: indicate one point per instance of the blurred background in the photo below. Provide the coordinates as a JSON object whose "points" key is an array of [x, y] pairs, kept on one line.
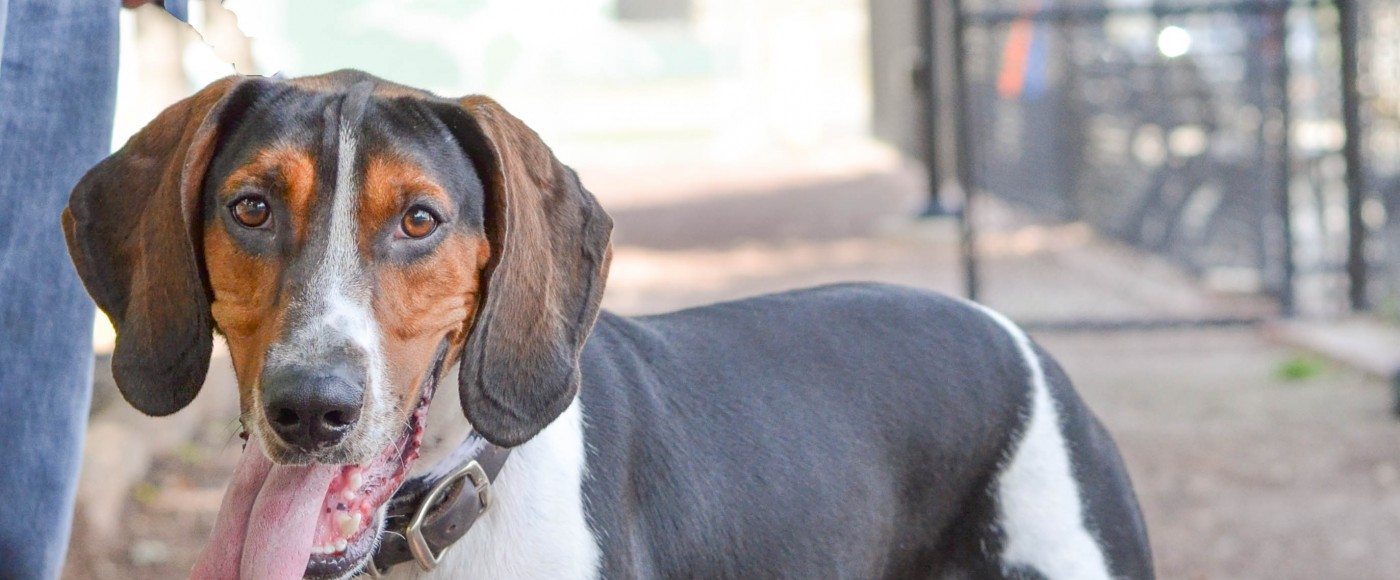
{"points": [[1194, 204]]}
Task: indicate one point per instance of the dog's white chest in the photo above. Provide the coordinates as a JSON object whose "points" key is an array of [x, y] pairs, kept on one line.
{"points": [[536, 527]]}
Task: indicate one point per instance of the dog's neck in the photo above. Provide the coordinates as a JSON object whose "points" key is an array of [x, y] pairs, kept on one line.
{"points": [[535, 527], [446, 427]]}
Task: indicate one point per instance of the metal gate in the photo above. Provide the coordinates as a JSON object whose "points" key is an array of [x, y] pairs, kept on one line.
{"points": [[1213, 134]]}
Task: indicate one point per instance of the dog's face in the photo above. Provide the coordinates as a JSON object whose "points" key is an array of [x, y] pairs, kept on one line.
{"points": [[350, 238], [344, 242]]}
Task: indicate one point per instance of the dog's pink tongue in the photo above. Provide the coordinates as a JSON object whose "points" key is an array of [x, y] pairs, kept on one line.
{"points": [[265, 525]]}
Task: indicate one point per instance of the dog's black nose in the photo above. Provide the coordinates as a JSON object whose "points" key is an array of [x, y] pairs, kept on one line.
{"points": [[311, 408]]}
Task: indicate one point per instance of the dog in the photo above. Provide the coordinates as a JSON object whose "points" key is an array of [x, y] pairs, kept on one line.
{"points": [[362, 244]]}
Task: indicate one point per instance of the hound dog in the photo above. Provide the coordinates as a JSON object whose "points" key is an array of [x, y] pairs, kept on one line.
{"points": [[360, 244]]}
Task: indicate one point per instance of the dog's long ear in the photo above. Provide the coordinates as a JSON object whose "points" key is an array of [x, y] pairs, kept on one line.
{"points": [[550, 249], [133, 228]]}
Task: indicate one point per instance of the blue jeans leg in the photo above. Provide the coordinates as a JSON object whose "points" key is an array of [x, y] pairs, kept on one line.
{"points": [[58, 63]]}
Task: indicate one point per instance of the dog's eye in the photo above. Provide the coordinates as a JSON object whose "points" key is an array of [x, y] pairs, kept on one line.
{"points": [[418, 222], [251, 211]]}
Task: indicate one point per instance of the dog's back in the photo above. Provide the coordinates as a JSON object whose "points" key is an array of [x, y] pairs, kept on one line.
{"points": [[851, 431]]}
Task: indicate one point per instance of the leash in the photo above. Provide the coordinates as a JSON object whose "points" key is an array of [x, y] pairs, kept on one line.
{"points": [[432, 511]]}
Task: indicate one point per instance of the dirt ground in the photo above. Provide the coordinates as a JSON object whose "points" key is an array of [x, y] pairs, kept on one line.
{"points": [[1243, 473], [1243, 470]]}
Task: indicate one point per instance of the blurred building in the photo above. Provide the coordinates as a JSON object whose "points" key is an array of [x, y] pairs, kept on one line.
{"points": [[603, 81]]}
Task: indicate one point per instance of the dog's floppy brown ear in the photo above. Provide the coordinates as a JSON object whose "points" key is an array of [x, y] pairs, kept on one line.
{"points": [[133, 225], [541, 287]]}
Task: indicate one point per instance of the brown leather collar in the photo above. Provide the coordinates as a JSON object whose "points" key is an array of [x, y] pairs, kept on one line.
{"points": [[432, 511]]}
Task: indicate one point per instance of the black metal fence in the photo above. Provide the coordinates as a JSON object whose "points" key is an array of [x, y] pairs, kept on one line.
{"points": [[1375, 209], [1250, 140]]}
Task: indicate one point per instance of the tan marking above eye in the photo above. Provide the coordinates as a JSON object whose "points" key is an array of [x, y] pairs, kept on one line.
{"points": [[394, 191], [287, 170]]}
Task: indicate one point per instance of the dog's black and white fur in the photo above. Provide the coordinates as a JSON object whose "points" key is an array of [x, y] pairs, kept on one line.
{"points": [[854, 431]]}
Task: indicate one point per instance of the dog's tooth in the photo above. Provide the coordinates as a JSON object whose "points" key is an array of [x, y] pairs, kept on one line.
{"points": [[359, 519], [345, 523], [349, 495], [356, 480], [340, 545]]}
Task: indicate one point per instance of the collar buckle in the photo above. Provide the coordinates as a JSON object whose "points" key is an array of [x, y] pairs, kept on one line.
{"points": [[417, 544]]}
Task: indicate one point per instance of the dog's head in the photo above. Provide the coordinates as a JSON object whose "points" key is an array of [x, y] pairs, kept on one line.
{"points": [[350, 238]]}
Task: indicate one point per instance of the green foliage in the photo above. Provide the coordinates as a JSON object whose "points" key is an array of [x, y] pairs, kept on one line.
{"points": [[1300, 368]]}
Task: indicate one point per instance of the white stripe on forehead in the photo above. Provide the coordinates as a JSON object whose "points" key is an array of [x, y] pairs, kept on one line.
{"points": [[338, 277], [340, 263], [337, 302], [337, 282]]}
